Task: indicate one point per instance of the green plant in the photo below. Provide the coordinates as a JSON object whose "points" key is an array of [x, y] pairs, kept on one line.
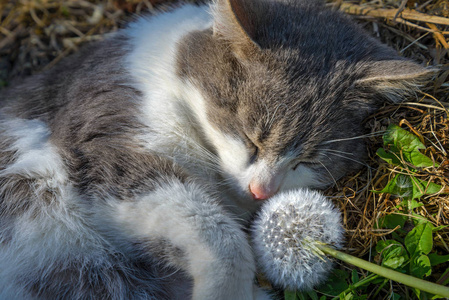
{"points": [[408, 251]]}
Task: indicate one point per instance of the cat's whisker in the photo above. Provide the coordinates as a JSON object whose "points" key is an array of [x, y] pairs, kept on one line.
{"points": [[373, 134], [332, 176], [206, 152], [185, 136], [227, 182], [336, 151], [324, 154], [351, 159]]}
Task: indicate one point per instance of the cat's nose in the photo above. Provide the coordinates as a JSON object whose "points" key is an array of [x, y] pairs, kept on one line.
{"points": [[261, 192]]}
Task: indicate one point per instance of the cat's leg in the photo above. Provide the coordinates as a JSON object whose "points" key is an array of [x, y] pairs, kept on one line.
{"points": [[185, 225], [114, 232], [49, 246]]}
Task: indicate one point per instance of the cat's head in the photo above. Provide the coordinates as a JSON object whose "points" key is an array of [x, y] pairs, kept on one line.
{"points": [[281, 89]]}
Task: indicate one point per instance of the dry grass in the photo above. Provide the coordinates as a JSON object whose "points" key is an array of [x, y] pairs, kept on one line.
{"points": [[34, 35], [416, 31]]}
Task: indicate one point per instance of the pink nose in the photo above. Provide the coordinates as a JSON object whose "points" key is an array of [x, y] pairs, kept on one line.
{"points": [[261, 192]]}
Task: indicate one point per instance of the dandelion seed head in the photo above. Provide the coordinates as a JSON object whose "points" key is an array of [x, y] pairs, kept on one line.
{"points": [[285, 234]]}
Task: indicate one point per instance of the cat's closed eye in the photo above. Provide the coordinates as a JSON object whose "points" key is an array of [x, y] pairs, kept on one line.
{"points": [[253, 149], [308, 164]]}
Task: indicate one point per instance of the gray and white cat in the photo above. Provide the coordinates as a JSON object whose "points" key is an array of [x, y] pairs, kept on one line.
{"points": [[130, 170]]}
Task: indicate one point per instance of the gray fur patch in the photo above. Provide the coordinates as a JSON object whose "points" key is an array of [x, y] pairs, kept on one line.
{"points": [[113, 278]]}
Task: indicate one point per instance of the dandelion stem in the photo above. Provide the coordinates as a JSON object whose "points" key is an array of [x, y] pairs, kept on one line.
{"points": [[408, 280]]}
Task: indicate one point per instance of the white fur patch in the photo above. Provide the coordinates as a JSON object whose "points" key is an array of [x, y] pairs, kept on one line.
{"points": [[50, 227], [152, 62], [231, 150], [35, 155], [219, 257], [302, 177], [161, 214]]}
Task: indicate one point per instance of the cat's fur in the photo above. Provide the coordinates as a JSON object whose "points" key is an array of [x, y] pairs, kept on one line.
{"points": [[129, 170]]}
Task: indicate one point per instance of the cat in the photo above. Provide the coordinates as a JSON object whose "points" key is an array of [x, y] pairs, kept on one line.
{"points": [[131, 169]]}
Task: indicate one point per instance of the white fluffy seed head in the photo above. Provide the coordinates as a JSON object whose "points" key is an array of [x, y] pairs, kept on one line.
{"points": [[285, 234]]}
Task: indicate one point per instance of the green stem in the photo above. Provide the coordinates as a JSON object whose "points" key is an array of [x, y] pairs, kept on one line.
{"points": [[408, 280], [358, 284]]}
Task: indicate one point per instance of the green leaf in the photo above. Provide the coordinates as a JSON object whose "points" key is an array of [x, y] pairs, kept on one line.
{"points": [[444, 279], [361, 297], [289, 295], [400, 185], [435, 297], [392, 221], [418, 293], [418, 159], [401, 141], [395, 259], [335, 284], [418, 219], [419, 240], [393, 253], [420, 266], [379, 280], [395, 296], [412, 204], [389, 157], [313, 295], [421, 187], [306, 295], [409, 187], [301, 296], [348, 296], [436, 259], [354, 276], [435, 229]]}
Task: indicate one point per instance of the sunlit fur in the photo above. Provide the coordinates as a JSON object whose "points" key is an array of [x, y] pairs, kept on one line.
{"points": [[126, 170]]}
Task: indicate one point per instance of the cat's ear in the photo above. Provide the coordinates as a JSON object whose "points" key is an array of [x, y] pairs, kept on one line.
{"points": [[395, 78], [237, 21]]}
